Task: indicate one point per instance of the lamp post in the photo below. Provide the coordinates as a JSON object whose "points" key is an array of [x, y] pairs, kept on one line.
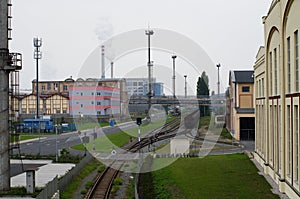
{"points": [[56, 147], [218, 66], [150, 65], [174, 57], [185, 88]]}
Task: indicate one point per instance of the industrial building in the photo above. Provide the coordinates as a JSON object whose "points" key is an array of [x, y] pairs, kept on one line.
{"points": [[94, 100], [277, 96], [139, 87], [59, 97], [240, 111]]}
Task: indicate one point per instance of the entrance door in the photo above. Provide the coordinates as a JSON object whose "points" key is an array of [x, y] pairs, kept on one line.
{"points": [[247, 128]]}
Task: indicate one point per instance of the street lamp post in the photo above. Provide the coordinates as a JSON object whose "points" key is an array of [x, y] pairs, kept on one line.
{"points": [[185, 88], [218, 66], [174, 57], [150, 65], [56, 147]]}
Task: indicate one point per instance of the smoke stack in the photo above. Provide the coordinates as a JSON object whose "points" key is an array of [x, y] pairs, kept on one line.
{"points": [[103, 62], [112, 69]]}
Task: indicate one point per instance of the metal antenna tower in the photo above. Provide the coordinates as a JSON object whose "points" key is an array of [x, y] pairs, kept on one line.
{"points": [[37, 43]]}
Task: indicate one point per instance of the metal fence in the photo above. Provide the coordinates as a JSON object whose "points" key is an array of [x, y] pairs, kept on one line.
{"points": [[60, 184], [49, 190], [68, 178]]}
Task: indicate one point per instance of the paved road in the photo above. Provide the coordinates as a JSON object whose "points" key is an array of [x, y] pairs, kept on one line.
{"points": [[46, 144]]}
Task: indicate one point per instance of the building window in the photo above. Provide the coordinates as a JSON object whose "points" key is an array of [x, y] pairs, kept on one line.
{"points": [[296, 130], [48, 86], [98, 103], [43, 88], [263, 87], [271, 74], [65, 87], [297, 60], [289, 64], [81, 105], [246, 89], [258, 93], [275, 70], [57, 111], [92, 94], [55, 86], [31, 112], [98, 93], [98, 112], [64, 111], [92, 102], [289, 159]]}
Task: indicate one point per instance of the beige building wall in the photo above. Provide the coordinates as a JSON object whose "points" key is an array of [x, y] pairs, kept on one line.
{"points": [[277, 144], [239, 99]]}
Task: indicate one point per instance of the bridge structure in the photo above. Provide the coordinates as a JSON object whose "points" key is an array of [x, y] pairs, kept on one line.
{"points": [[177, 101]]}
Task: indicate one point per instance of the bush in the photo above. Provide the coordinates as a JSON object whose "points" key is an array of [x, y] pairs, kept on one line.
{"points": [[118, 181], [88, 185], [101, 168]]}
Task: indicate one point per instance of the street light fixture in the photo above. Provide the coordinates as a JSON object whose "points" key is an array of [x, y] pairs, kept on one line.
{"points": [[174, 57], [218, 66]]}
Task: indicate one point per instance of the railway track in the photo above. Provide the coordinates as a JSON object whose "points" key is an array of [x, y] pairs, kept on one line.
{"points": [[104, 182]]}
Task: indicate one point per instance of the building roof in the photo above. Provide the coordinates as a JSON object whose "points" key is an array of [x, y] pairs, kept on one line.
{"points": [[243, 76]]}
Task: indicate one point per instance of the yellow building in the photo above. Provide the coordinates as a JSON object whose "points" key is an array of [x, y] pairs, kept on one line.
{"points": [[240, 119], [277, 96], [48, 104]]}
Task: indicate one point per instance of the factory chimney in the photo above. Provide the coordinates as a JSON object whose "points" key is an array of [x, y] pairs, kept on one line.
{"points": [[112, 69], [103, 62]]}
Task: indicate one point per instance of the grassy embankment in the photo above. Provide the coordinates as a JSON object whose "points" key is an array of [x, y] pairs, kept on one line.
{"points": [[223, 176]]}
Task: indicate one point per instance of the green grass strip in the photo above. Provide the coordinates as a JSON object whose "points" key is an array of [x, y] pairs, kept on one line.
{"points": [[223, 176]]}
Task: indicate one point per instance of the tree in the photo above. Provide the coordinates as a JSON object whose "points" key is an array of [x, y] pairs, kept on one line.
{"points": [[203, 92], [202, 86]]}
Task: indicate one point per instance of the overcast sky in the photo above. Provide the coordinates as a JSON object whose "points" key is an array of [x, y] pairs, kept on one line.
{"points": [[229, 31]]}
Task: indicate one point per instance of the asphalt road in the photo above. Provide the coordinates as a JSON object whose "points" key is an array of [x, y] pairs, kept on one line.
{"points": [[46, 144]]}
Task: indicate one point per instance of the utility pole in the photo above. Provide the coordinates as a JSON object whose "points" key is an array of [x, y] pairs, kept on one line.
{"points": [[37, 43], [218, 66], [8, 63], [185, 88], [150, 65], [174, 57]]}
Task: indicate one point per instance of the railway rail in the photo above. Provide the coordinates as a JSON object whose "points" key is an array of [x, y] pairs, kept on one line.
{"points": [[104, 181]]}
